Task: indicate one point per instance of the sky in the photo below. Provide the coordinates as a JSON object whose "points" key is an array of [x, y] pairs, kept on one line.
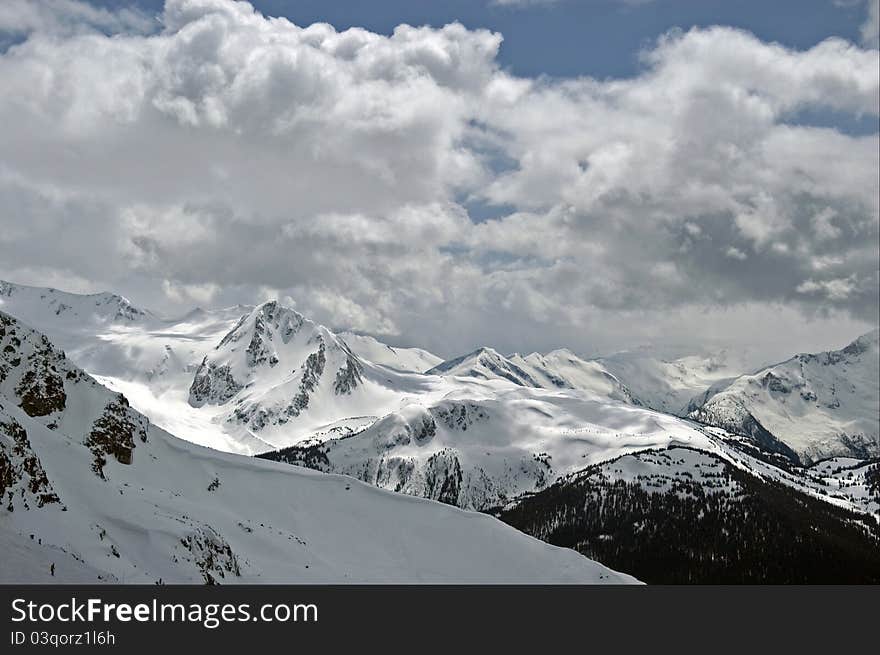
{"points": [[526, 174]]}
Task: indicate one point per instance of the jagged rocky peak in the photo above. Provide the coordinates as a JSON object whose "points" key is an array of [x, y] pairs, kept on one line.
{"points": [[273, 365], [253, 343], [266, 324]]}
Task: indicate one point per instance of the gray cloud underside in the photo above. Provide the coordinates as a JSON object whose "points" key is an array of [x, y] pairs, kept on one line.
{"points": [[218, 156]]}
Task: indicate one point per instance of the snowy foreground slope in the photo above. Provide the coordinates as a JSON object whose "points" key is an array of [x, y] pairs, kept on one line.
{"points": [[818, 405], [88, 484]]}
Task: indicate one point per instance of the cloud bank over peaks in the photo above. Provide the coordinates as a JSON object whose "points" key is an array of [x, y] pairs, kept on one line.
{"points": [[220, 155]]}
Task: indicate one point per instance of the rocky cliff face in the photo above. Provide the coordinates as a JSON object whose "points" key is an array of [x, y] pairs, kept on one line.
{"points": [[23, 481], [41, 381]]}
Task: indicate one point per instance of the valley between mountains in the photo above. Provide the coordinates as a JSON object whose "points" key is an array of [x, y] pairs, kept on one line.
{"points": [[250, 444]]}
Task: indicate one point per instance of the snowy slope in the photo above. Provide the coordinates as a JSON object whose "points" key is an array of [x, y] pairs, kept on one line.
{"points": [[38, 304], [90, 485], [681, 515], [559, 369], [477, 453], [413, 360], [562, 368], [483, 453], [819, 405]]}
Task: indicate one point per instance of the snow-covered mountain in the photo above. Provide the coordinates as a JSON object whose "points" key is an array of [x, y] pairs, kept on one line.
{"points": [[258, 379], [481, 431], [818, 405], [412, 360], [559, 369], [92, 491], [485, 364], [638, 377], [38, 304], [150, 359], [681, 515], [279, 377], [479, 452], [172, 370]]}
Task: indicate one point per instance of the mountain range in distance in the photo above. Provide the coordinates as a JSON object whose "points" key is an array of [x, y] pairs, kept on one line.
{"points": [[525, 438], [92, 491]]}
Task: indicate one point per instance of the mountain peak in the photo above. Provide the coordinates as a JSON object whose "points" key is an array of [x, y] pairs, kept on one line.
{"points": [[818, 404], [488, 364], [30, 302], [280, 367], [474, 355]]}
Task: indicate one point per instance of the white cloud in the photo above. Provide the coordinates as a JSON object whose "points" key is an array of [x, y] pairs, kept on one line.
{"points": [[823, 224], [227, 155], [834, 289]]}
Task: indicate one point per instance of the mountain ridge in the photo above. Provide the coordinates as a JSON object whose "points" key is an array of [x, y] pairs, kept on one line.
{"points": [[112, 498], [818, 404]]}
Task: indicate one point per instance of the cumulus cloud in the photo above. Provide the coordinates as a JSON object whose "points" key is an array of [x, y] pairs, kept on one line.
{"points": [[222, 156], [835, 289]]}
